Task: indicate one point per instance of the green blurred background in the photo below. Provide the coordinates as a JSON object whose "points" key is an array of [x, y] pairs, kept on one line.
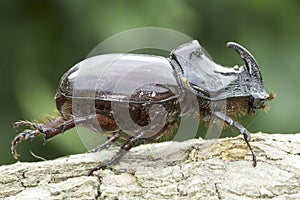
{"points": [[40, 40]]}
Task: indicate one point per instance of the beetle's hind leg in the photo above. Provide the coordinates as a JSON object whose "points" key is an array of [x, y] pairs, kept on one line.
{"points": [[242, 130], [50, 129], [25, 135]]}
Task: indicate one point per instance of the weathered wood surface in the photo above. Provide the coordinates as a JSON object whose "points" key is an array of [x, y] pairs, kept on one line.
{"points": [[171, 170]]}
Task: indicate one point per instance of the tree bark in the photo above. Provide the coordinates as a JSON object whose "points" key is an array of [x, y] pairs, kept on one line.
{"points": [[193, 169]]}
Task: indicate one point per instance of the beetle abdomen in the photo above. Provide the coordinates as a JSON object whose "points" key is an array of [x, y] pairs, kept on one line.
{"points": [[112, 116]]}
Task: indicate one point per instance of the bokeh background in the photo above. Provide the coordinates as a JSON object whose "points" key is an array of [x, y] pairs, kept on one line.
{"points": [[40, 40]]}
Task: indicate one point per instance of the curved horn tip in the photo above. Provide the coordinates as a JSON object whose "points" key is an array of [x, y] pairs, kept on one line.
{"points": [[234, 45], [230, 44], [248, 58], [244, 53]]}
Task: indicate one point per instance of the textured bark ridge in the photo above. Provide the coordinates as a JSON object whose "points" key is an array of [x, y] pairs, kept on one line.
{"points": [[193, 169]]}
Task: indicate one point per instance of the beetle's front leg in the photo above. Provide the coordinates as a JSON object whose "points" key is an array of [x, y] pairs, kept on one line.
{"points": [[242, 130]]}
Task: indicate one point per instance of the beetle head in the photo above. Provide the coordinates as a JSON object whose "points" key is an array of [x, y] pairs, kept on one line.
{"points": [[256, 86], [211, 81]]}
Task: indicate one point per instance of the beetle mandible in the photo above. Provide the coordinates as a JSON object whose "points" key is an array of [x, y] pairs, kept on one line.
{"points": [[188, 71]]}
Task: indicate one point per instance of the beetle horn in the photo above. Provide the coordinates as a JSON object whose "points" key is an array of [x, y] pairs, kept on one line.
{"points": [[249, 60]]}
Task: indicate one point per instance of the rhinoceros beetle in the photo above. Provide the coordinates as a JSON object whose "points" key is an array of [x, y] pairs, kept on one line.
{"points": [[119, 79]]}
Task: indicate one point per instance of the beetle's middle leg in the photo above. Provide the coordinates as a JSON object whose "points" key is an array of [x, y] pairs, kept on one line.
{"points": [[242, 130], [108, 143], [144, 135]]}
